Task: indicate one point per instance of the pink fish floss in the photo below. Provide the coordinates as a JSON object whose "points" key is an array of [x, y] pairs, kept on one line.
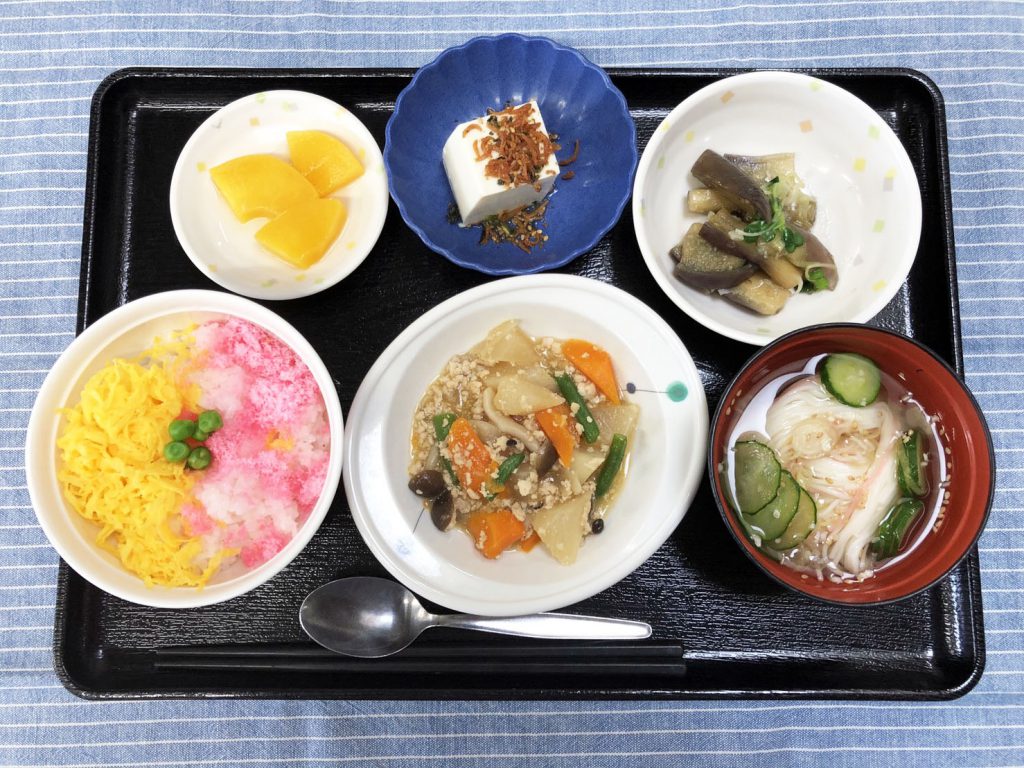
{"points": [[270, 457]]}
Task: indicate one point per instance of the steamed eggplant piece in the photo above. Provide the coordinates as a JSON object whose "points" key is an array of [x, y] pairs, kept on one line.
{"points": [[813, 254], [702, 266], [761, 168], [760, 294], [703, 201], [717, 232], [800, 208], [718, 174]]}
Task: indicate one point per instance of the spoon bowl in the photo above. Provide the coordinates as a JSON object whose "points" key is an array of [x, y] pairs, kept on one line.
{"points": [[368, 617], [363, 616]]}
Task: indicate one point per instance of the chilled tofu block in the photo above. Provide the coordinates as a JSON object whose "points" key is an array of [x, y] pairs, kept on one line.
{"points": [[484, 188]]}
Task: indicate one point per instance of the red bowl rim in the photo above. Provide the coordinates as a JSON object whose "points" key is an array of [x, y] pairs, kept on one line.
{"points": [[748, 548]]}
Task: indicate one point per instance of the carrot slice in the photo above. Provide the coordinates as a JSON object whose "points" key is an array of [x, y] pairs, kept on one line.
{"points": [[494, 531], [470, 458], [594, 363], [529, 542], [560, 427]]}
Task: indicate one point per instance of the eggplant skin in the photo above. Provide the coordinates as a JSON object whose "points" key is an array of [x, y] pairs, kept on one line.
{"points": [[715, 172], [819, 256], [716, 231], [718, 238], [800, 208], [705, 268], [759, 294], [713, 281]]}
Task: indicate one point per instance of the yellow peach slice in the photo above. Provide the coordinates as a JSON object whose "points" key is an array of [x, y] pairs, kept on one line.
{"points": [[325, 161], [261, 185], [302, 235]]}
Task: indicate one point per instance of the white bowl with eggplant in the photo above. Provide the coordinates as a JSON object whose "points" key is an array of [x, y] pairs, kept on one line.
{"points": [[771, 201]]}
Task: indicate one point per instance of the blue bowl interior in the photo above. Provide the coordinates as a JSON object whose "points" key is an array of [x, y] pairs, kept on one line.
{"points": [[576, 100]]}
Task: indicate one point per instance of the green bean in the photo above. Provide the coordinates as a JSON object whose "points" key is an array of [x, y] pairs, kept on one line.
{"points": [[508, 466], [568, 387], [612, 464], [889, 538], [450, 470], [442, 423]]}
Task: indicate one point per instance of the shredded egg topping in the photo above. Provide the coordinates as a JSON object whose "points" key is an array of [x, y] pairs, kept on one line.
{"points": [[113, 473]]}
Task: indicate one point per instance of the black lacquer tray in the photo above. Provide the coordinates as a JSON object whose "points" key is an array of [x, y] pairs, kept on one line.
{"points": [[721, 628]]}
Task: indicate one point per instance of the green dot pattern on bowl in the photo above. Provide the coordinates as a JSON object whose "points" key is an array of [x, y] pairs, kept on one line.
{"points": [[677, 392]]}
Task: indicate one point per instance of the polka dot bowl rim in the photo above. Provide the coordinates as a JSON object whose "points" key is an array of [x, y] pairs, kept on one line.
{"points": [[128, 330], [869, 212], [225, 250]]}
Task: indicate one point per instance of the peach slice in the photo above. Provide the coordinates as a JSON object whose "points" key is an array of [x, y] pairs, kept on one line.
{"points": [[302, 235], [327, 163], [261, 185]]}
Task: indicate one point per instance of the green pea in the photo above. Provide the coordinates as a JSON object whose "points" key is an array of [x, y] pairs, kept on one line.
{"points": [[176, 451], [182, 429], [210, 421], [200, 435], [200, 458]]}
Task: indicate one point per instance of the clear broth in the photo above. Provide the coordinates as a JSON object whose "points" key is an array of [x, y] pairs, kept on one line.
{"points": [[753, 419]]}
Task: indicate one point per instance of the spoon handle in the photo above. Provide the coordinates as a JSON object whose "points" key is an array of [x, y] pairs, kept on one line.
{"points": [[552, 626]]}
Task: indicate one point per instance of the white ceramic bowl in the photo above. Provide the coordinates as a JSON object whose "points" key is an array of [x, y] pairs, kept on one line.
{"points": [[224, 249], [125, 332], [667, 459], [869, 203]]}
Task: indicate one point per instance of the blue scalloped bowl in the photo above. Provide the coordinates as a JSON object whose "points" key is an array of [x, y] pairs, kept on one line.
{"points": [[577, 100]]}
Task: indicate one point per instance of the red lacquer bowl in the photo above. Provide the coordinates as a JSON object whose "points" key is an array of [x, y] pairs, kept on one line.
{"points": [[969, 455]]}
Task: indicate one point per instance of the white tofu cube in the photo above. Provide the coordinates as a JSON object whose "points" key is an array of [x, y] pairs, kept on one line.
{"points": [[479, 196]]}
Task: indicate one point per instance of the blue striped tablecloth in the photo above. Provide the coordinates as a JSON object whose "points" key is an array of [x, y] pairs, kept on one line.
{"points": [[52, 56]]}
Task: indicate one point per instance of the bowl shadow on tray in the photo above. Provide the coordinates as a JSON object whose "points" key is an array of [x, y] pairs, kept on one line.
{"points": [[704, 543]]}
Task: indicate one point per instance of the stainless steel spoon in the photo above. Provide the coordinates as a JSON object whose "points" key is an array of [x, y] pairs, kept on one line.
{"points": [[370, 617]]}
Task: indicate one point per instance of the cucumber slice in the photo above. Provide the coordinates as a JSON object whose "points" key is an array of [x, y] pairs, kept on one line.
{"points": [[889, 539], [851, 379], [773, 518], [758, 474], [910, 469], [723, 478], [800, 526]]}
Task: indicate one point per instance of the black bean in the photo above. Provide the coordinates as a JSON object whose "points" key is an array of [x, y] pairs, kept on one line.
{"points": [[429, 483], [442, 511], [597, 526]]}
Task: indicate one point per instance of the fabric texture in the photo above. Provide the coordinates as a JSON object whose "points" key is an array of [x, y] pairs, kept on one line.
{"points": [[52, 56]]}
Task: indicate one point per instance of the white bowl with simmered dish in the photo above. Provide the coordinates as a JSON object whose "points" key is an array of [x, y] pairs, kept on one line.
{"points": [[530, 502], [845, 202]]}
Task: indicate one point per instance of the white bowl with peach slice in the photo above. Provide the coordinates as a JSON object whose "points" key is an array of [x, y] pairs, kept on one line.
{"points": [[279, 195]]}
